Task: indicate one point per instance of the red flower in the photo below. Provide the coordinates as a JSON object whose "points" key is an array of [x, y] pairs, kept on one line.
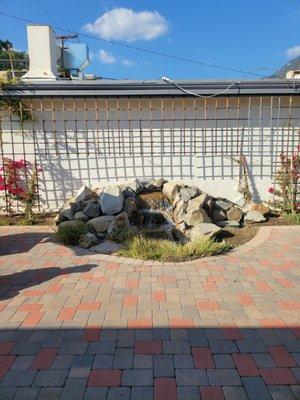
{"points": [[271, 190]]}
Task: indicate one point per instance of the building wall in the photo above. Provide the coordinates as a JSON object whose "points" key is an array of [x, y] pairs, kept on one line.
{"points": [[94, 141]]}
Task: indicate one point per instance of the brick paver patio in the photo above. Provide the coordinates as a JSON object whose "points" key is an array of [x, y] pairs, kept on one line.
{"points": [[81, 326]]}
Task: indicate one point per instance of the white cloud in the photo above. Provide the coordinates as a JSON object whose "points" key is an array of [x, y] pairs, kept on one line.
{"points": [[128, 63], [106, 57], [129, 25], [293, 52]]}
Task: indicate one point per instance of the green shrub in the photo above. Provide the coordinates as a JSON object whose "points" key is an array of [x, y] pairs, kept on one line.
{"points": [[121, 234], [165, 250], [70, 232], [292, 217]]}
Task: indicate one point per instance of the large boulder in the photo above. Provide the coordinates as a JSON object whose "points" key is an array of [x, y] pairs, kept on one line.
{"points": [[111, 200], [84, 193], [221, 204], [81, 216], [92, 210], [100, 224], [107, 247], [197, 203], [136, 186], [87, 240], [130, 205], [120, 221], [189, 192], [154, 184], [234, 214], [228, 224], [66, 214], [179, 212], [261, 208], [218, 215], [254, 216], [196, 217], [205, 229], [170, 189]]}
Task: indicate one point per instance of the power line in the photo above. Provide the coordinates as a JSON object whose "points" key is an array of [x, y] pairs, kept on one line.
{"points": [[44, 11], [157, 53], [10, 10]]}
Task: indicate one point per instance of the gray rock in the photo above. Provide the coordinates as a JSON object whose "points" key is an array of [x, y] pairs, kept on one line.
{"points": [[189, 192], [84, 193], [176, 199], [72, 223], [154, 184], [170, 189], [127, 191], [92, 210], [66, 214], [75, 206], [218, 215], [136, 185], [182, 227], [228, 224], [221, 204], [87, 240], [179, 212], [111, 200], [130, 205], [254, 216], [121, 221], [107, 247], [205, 229], [197, 203], [196, 217], [80, 216], [234, 214], [100, 224]]}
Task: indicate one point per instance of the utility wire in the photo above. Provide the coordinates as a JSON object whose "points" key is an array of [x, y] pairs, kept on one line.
{"points": [[10, 10], [44, 11], [178, 58]]}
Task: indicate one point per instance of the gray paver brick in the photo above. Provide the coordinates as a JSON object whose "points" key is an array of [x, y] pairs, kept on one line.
{"points": [[281, 393], [296, 390], [22, 362], [163, 366], [62, 362], [235, 393], [123, 359], [51, 378], [223, 361], [143, 361], [50, 393], [256, 388], [137, 377], [94, 393], [27, 393], [223, 347], [252, 346], [263, 360], [223, 377], [7, 393], [119, 393], [191, 377], [26, 348], [73, 348], [74, 389], [144, 393], [102, 347], [17, 378], [103, 361], [81, 366], [183, 361], [176, 347], [197, 337], [188, 393]]}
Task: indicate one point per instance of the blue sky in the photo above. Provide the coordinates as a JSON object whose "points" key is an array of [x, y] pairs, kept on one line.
{"points": [[254, 35]]}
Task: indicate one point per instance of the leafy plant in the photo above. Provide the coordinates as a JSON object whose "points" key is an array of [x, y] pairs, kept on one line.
{"points": [[70, 233], [293, 218], [165, 250], [121, 234]]}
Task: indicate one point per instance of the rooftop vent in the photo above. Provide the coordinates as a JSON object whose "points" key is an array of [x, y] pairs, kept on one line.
{"points": [[293, 74]]}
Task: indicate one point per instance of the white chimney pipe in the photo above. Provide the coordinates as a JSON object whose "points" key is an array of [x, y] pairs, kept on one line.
{"points": [[42, 51]]}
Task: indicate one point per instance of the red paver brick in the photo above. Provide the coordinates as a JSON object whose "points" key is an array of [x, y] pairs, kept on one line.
{"points": [[44, 358], [245, 365], [2, 306], [67, 314], [208, 305], [245, 299], [166, 279], [216, 278], [132, 283], [286, 283], [140, 324], [55, 288], [203, 357], [130, 300], [290, 305], [105, 377], [249, 271], [112, 265], [99, 279], [30, 307], [263, 286], [181, 323], [296, 331], [165, 389], [272, 323], [6, 347], [212, 393], [33, 293], [5, 363], [282, 357], [148, 347], [232, 333], [159, 295], [209, 287], [92, 334], [278, 376], [94, 306], [32, 319]]}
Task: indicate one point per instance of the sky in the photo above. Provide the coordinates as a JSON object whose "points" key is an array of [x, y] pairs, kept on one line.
{"points": [[257, 36]]}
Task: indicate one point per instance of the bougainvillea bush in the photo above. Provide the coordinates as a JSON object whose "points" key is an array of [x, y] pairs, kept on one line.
{"points": [[19, 183]]}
